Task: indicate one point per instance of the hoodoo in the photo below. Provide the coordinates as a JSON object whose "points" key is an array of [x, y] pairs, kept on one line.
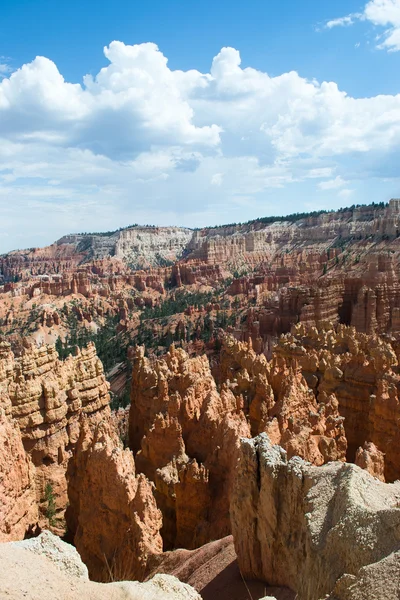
{"points": [[218, 405]]}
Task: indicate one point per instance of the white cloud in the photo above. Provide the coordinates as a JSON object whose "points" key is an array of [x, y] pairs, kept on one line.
{"points": [[140, 142], [332, 184], [131, 104], [4, 69], [217, 178], [384, 13], [137, 105], [342, 21]]}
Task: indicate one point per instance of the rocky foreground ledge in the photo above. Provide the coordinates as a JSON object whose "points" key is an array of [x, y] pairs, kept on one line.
{"points": [[45, 568]]}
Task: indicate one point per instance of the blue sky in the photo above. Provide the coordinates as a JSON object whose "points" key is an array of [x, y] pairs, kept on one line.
{"points": [[192, 113]]}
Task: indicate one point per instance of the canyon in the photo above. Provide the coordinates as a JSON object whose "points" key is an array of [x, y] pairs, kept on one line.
{"points": [[263, 276], [218, 404]]}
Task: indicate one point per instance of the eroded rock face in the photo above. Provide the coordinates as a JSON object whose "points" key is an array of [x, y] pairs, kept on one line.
{"points": [[312, 528], [361, 371], [59, 446], [279, 402], [18, 508], [185, 429], [372, 460], [185, 436], [112, 511], [45, 398]]}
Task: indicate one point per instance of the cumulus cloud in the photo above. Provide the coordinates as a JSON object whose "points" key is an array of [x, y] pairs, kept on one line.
{"points": [[384, 13], [137, 104], [144, 143], [131, 104]]}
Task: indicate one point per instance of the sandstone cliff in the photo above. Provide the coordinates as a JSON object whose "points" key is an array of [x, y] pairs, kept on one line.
{"points": [[317, 530], [60, 448], [46, 397]]}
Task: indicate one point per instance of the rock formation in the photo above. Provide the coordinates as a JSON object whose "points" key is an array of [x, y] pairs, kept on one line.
{"points": [[185, 436], [46, 397], [47, 568], [318, 530], [112, 513], [60, 447], [340, 267], [328, 390], [185, 430], [372, 460], [362, 372], [278, 401], [18, 508]]}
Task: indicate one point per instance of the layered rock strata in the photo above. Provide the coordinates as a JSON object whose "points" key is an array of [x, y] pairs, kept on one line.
{"points": [[342, 267], [46, 398], [61, 448]]}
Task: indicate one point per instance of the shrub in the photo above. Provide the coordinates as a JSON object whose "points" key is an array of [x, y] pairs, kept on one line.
{"points": [[51, 504]]}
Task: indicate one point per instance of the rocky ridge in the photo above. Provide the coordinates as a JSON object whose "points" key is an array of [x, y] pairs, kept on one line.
{"points": [[252, 242], [340, 267]]}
